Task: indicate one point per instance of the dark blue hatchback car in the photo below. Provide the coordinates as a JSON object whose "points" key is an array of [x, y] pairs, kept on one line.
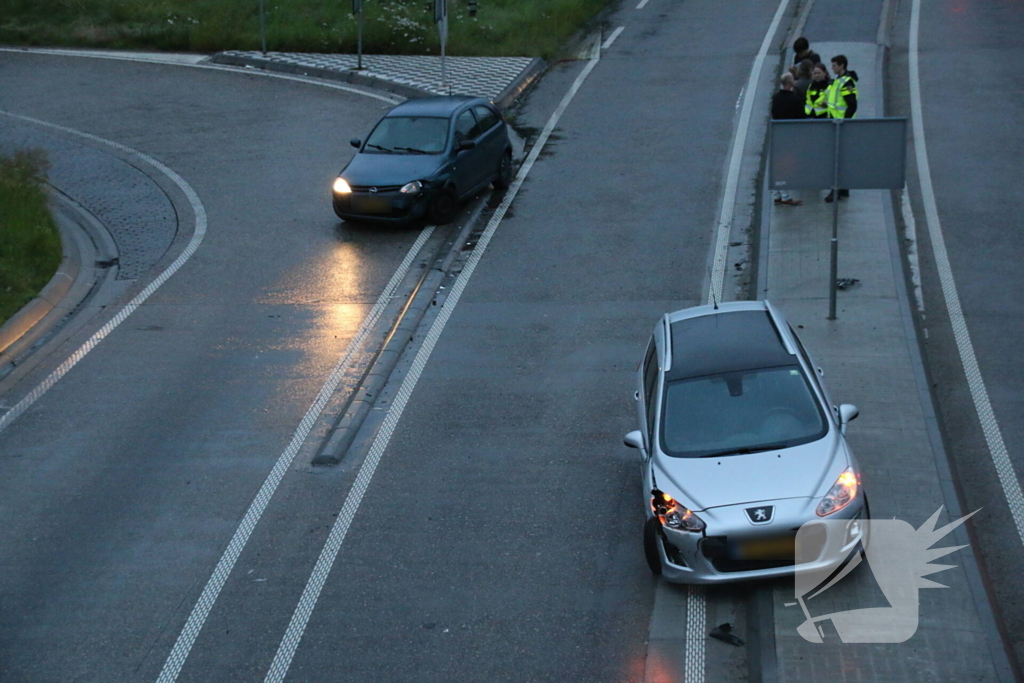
{"points": [[422, 159]]}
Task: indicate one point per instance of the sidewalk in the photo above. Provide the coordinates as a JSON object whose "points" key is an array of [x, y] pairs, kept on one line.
{"points": [[870, 357]]}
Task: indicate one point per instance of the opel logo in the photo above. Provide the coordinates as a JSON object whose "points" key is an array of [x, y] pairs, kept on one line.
{"points": [[373, 190]]}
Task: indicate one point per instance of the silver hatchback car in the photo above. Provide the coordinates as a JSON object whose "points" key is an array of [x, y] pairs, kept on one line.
{"points": [[741, 446]]}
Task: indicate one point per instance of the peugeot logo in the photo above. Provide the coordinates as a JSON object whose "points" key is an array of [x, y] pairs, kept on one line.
{"points": [[761, 515], [373, 190]]}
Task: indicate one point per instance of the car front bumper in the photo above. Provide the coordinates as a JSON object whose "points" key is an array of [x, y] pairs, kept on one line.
{"points": [[389, 208], [707, 558]]}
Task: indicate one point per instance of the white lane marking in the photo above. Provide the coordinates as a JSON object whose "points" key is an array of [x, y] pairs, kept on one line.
{"points": [[695, 612], [993, 437], [310, 595], [731, 184], [643, 3], [193, 244], [189, 633], [390, 99], [910, 225], [612, 37]]}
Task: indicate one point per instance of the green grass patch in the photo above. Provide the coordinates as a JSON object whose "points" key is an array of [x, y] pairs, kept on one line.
{"points": [[30, 249], [533, 28]]}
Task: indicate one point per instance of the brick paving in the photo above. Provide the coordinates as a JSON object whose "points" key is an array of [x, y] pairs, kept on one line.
{"points": [[484, 76]]}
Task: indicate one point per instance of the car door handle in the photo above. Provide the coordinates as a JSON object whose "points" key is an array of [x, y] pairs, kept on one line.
{"points": [[636, 395]]}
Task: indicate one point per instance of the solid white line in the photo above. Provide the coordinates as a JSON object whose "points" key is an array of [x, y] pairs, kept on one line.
{"points": [[391, 99], [731, 184], [993, 437], [612, 37], [189, 633], [310, 595], [643, 3], [129, 308]]}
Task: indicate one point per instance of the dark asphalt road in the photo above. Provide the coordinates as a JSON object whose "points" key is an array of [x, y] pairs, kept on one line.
{"points": [[121, 486], [970, 58], [499, 538]]}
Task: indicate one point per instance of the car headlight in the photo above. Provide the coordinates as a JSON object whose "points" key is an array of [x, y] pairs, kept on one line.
{"points": [[840, 495], [412, 188], [341, 187], [673, 515]]}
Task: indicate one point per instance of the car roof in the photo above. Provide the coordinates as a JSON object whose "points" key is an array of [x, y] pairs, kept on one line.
{"points": [[433, 106], [730, 338]]}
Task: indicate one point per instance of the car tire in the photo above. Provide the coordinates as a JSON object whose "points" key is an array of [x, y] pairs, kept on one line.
{"points": [[652, 530], [504, 178], [443, 208]]}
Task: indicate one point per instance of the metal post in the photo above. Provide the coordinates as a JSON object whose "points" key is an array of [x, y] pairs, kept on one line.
{"points": [[834, 266], [359, 22], [263, 30]]}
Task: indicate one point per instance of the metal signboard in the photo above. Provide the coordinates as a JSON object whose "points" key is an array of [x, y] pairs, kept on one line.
{"points": [[872, 154]]}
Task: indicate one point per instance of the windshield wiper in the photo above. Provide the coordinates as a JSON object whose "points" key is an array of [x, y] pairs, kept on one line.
{"points": [[383, 149], [413, 150], [741, 451]]}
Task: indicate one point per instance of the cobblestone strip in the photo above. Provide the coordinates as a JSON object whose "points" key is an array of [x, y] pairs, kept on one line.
{"points": [[484, 76]]}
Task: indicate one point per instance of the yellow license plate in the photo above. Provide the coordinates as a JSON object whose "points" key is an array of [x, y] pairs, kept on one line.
{"points": [[767, 549]]}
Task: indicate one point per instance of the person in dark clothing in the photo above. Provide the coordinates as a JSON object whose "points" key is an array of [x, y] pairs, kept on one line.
{"points": [[786, 105], [803, 51], [803, 79], [815, 105]]}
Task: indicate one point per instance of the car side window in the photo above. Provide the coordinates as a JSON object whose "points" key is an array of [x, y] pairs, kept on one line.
{"points": [[488, 119], [810, 361], [650, 384], [466, 127]]}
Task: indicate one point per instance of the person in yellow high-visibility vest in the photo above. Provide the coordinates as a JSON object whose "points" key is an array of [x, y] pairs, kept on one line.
{"points": [[841, 99], [815, 105]]}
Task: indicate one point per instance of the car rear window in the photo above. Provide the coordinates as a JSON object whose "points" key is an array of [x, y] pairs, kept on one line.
{"points": [[408, 135], [738, 412]]}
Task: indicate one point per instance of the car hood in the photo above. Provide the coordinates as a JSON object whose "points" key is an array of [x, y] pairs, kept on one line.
{"points": [[800, 472], [391, 169]]}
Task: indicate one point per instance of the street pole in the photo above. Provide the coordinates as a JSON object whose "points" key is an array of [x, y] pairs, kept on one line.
{"points": [[357, 12], [441, 19], [263, 30], [834, 266]]}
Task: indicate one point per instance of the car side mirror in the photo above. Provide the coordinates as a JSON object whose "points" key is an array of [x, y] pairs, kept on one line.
{"points": [[847, 414], [356, 142], [635, 439], [466, 144]]}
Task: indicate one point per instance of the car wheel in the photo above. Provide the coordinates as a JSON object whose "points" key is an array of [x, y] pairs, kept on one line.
{"points": [[504, 178], [443, 208], [652, 529]]}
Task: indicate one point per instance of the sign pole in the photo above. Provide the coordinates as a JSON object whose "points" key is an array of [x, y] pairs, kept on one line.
{"points": [[834, 265], [263, 30], [441, 19], [357, 10]]}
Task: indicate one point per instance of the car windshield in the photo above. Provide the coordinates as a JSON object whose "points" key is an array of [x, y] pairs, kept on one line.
{"points": [[740, 412], [408, 135]]}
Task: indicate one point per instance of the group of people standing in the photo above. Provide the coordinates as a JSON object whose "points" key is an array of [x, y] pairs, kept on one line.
{"points": [[806, 91]]}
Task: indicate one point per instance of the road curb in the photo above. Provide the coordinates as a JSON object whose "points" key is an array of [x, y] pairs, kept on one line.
{"points": [[85, 242], [522, 82]]}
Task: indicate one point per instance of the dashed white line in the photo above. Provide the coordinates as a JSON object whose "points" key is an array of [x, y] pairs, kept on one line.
{"points": [[993, 437], [304, 609], [695, 618], [643, 3], [193, 244], [910, 226], [612, 37], [187, 637]]}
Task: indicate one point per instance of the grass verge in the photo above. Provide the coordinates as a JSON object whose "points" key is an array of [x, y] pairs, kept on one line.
{"points": [[531, 28], [30, 249]]}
